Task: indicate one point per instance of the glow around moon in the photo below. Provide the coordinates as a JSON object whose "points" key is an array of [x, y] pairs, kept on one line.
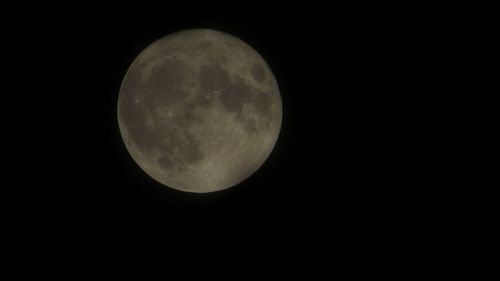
{"points": [[199, 110]]}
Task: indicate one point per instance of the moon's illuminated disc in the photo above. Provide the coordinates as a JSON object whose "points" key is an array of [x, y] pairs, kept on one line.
{"points": [[199, 110]]}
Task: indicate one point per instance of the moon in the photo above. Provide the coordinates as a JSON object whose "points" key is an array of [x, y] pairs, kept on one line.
{"points": [[199, 110]]}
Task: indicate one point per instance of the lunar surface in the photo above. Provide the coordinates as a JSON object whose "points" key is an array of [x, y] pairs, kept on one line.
{"points": [[199, 110]]}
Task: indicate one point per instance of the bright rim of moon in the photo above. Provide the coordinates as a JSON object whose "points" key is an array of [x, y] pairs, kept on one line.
{"points": [[199, 110]]}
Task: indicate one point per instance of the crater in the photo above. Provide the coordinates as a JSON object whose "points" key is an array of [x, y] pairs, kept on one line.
{"points": [[179, 150]]}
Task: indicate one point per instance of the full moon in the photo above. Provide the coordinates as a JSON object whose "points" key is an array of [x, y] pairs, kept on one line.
{"points": [[199, 110]]}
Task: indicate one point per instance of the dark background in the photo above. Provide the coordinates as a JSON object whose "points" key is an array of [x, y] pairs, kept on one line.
{"points": [[347, 170]]}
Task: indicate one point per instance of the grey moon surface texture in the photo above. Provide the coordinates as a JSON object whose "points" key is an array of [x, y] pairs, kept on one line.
{"points": [[199, 110]]}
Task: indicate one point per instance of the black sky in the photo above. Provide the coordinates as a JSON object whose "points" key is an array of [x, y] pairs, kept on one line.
{"points": [[342, 169]]}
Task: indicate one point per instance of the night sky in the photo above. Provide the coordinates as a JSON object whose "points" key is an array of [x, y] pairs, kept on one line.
{"points": [[340, 174]]}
